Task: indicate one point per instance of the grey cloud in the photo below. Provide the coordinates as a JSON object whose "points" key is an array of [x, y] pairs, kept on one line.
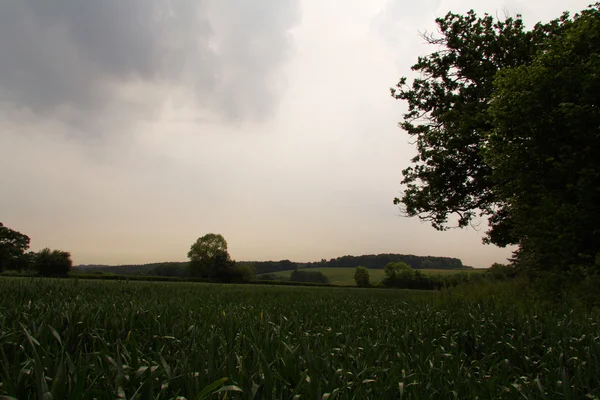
{"points": [[72, 53]]}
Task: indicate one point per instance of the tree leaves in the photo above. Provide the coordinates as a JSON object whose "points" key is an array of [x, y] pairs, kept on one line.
{"points": [[209, 258], [13, 245], [544, 148], [506, 127]]}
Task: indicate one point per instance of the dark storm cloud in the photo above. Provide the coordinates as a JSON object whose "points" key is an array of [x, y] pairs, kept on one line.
{"points": [[73, 53]]}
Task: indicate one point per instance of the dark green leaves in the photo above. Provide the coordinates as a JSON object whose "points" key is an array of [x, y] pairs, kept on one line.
{"points": [[506, 124], [545, 145], [13, 245]]}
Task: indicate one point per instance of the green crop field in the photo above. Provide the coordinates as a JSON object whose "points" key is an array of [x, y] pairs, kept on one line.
{"points": [[345, 276], [155, 340]]}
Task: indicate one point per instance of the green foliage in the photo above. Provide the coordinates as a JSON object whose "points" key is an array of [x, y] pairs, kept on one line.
{"points": [[371, 261], [424, 279], [361, 277], [53, 262], [448, 115], [210, 259], [379, 261], [268, 277], [299, 275], [502, 272], [544, 149], [398, 270], [170, 269], [243, 273], [506, 127], [151, 340], [263, 267], [401, 275], [13, 246]]}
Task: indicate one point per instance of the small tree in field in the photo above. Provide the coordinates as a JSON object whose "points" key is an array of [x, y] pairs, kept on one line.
{"points": [[398, 274], [361, 277], [53, 262]]}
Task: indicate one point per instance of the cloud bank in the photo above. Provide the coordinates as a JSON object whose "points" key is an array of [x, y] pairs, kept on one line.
{"points": [[75, 60]]}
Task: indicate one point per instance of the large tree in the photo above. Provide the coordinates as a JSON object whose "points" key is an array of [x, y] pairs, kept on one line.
{"points": [[544, 150], [460, 116], [13, 246], [210, 259]]}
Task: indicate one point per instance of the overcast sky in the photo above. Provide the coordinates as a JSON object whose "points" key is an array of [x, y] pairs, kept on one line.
{"points": [[128, 129]]}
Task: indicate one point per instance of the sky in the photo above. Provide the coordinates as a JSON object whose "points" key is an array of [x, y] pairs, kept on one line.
{"points": [[128, 129]]}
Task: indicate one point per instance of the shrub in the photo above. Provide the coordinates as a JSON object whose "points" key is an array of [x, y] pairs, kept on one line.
{"points": [[53, 262], [308, 276], [361, 277]]}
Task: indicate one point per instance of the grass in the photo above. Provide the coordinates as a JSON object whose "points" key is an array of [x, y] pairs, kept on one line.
{"points": [[83, 339], [345, 276]]}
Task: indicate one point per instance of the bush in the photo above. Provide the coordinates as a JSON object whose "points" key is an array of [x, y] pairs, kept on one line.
{"points": [[243, 273], [308, 276], [361, 277], [268, 277], [53, 262], [398, 275], [501, 272]]}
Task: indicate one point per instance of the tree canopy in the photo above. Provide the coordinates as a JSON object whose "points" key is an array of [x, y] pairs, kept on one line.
{"points": [[209, 257], [13, 245], [361, 277], [544, 150], [506, 125], [53, 262]]}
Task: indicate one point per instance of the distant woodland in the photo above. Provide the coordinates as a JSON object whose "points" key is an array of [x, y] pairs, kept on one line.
{"points": [[372, 261]]}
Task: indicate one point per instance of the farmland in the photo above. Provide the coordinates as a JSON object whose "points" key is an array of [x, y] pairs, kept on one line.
{"points": [[345, 276], [111, 339]]}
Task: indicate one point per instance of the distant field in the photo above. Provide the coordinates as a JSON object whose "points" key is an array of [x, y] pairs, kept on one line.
{"points": [[345, 276]]}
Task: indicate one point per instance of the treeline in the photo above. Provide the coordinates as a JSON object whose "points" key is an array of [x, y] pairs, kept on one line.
{"points": [[371, 261], [379, 261], [265, 267], [158, 269]]}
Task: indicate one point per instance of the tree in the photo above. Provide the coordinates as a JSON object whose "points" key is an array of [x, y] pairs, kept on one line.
{"points": [[399, 269], [398, 274], [243, 273], [477, 98], [13, 246], [544, 149], [299, 275], [210, 259], [53, 262], [361, 277]]}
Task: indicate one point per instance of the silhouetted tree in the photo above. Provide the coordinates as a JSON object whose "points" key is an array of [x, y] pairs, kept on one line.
{"points": [[55, 263], [13, 246], [210, 259]]}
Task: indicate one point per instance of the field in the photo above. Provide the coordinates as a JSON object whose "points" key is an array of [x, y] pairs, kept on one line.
{"points": [[82, 339], [345, 276]]}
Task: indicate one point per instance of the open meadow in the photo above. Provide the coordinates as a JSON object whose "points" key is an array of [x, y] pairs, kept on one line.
{"points": [[82, 339], [345, 276]]}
